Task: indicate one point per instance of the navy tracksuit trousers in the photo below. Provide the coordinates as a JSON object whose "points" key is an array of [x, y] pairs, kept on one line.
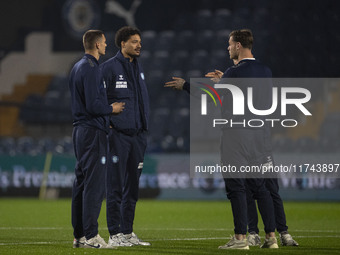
{"points": [[90, 147], [280, 218], [125, 164], [244, 147]]}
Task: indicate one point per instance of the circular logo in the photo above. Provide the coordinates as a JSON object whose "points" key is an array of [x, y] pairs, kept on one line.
{"points": [[115, 159], [80, 16]]}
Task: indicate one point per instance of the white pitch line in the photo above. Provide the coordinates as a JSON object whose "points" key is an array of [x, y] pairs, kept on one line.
{"points": [[160, 240], [226, 238], [32, 228], [231, 229], [163, 229], [36, 243]]}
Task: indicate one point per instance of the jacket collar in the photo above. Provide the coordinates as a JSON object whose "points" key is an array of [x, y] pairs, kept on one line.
{"points": [[121, 57], [92, 58]]}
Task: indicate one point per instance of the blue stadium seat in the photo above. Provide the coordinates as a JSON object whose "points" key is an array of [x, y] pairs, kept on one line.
{"points": [[64, 145], [7, 146], [194, 74], [222, 19], [155, 82], [199, 60], [165, 40], [160, 60], [203, 20], [179, 60], [26, 145], [219, 60], [204, 39], [159, 120], [145, 59], [221, 38], [46, 144], [148, 38], [184, 21], [184, 40]]}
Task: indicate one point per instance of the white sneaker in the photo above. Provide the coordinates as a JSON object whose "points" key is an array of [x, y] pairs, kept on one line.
{"points": [[118, 240], [254, 239], [96, 242], [287, 239], [236, 244], [134, 240], [270, 243], [79, 242]]}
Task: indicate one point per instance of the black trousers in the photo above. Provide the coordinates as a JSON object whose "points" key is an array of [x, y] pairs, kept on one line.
{"points": [[280, 218], [239, 148], [125, 164], [90, 147]]}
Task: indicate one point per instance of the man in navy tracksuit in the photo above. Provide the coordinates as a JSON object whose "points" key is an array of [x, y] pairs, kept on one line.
{"points": [[124, 78], [244, 146], [90, 112], [247, 146]]}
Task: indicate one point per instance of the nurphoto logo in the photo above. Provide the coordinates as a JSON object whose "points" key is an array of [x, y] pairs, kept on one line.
{"points": [[238, 105]]}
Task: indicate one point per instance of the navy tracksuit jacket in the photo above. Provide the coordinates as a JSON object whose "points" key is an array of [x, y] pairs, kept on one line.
{"points": [[247, 146], [90, 112], [127, 140]]}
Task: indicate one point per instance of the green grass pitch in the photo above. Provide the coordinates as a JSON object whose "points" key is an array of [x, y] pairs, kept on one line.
{"points": [[30, 226]]}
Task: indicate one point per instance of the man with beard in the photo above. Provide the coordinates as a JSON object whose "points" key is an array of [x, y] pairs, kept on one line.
{"points": [[124, 78], [244, 146]]}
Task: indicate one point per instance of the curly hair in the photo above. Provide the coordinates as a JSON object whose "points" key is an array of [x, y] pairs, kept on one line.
{"points": [[124, 34]]}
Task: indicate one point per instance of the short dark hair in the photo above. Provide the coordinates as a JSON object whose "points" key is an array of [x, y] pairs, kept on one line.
{"points": [[90, 38], [124, 34], [243, 36]]}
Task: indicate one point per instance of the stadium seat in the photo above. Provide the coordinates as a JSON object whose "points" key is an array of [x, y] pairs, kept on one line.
{"points": [[64, 145], [199, 60], [241, 18], [184, 21], [155, 82], [193, 74], [26, 145], [7, 146], [159, 120], [184, 40], [46, 144], [221, 19], [204, 39], [145, 60], [219, 59], [179, 60], [165, 40], [160, 60], [148, 39], [180, 121], [203, 20], [220, 41]]}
